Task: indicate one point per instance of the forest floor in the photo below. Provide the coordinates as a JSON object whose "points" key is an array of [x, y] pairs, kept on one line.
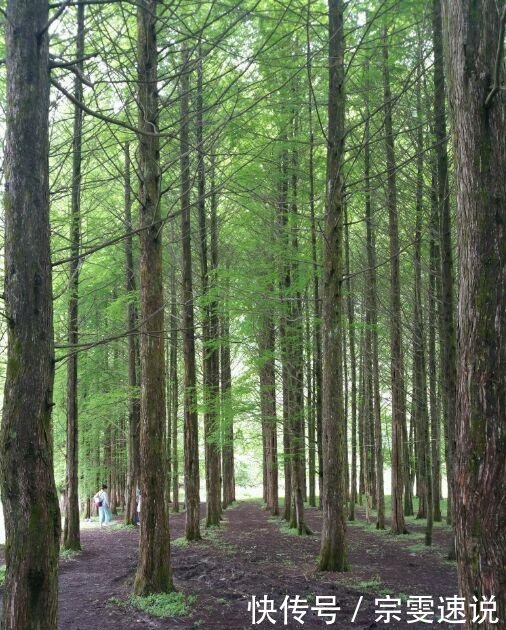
{"points": [[254, 554]]}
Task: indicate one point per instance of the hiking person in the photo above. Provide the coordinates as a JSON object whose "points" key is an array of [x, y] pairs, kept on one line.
{"points": [[138, 496], [102, 502]]}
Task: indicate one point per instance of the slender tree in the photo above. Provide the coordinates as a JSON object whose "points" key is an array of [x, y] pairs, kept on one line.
{"points": [[396, 361], [71, 536], [133, 354], [173, 374], [333, 555], [447, 335], [191, 444]]}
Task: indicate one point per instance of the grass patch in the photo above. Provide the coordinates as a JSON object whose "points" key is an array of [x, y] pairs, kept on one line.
{"points": [[283, 526], [69, 554], [181, 542], [3, 569], [371, 585], [164, 604], [122, 526]]}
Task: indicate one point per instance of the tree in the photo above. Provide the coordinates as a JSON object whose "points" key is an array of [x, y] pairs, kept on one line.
{"points": [[153, 569], [32, 516], [396, 361], [133, 354], [447, 335], [191, 444], [333, 543], [71, 538], [478, 106]]}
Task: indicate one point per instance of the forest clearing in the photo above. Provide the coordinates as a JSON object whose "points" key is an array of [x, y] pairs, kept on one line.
{"points": [[254, 554], [253, 325]]}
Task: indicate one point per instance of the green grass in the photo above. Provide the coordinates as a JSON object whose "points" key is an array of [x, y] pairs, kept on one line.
{"points": [[283, 526], [371, 585], [69, 554], [3, 569], [181, 542], [121, 526], [164, 604]]}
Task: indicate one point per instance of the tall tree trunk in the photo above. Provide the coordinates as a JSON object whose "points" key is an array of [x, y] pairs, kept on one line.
{"points": [[153, 571], [397, 363], [353, 373], [373, 317], [311, 426], [447, 334], [333, 555], [317, 336], [30, 503], [478, 105], [227, 413], [191, 427], [420, 416], [296, 356], [173, 376], [133, 355], [209, 333], [71, 536], [284, 287], [434, 406], [267, 376]]}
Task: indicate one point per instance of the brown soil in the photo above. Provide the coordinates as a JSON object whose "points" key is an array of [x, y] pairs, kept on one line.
{"points": [[248, 556]]}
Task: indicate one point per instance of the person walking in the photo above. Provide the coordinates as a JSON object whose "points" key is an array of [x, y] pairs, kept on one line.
{"points": [[102, 502]]}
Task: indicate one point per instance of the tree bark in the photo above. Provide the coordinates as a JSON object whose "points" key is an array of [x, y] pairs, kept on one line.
{"points": [[30, 503], [191, 440], [333, 555], [153, 571], [71, 536], [478, 106]]}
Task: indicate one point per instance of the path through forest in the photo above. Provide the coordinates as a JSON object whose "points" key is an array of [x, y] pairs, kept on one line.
{"points": [[252, 554]]}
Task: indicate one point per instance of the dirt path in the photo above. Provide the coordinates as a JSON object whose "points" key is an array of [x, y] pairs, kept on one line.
{"points": [[251, 555]]}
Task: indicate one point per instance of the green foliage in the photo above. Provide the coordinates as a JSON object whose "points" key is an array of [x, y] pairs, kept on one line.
{"points": [[3, 569]]}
